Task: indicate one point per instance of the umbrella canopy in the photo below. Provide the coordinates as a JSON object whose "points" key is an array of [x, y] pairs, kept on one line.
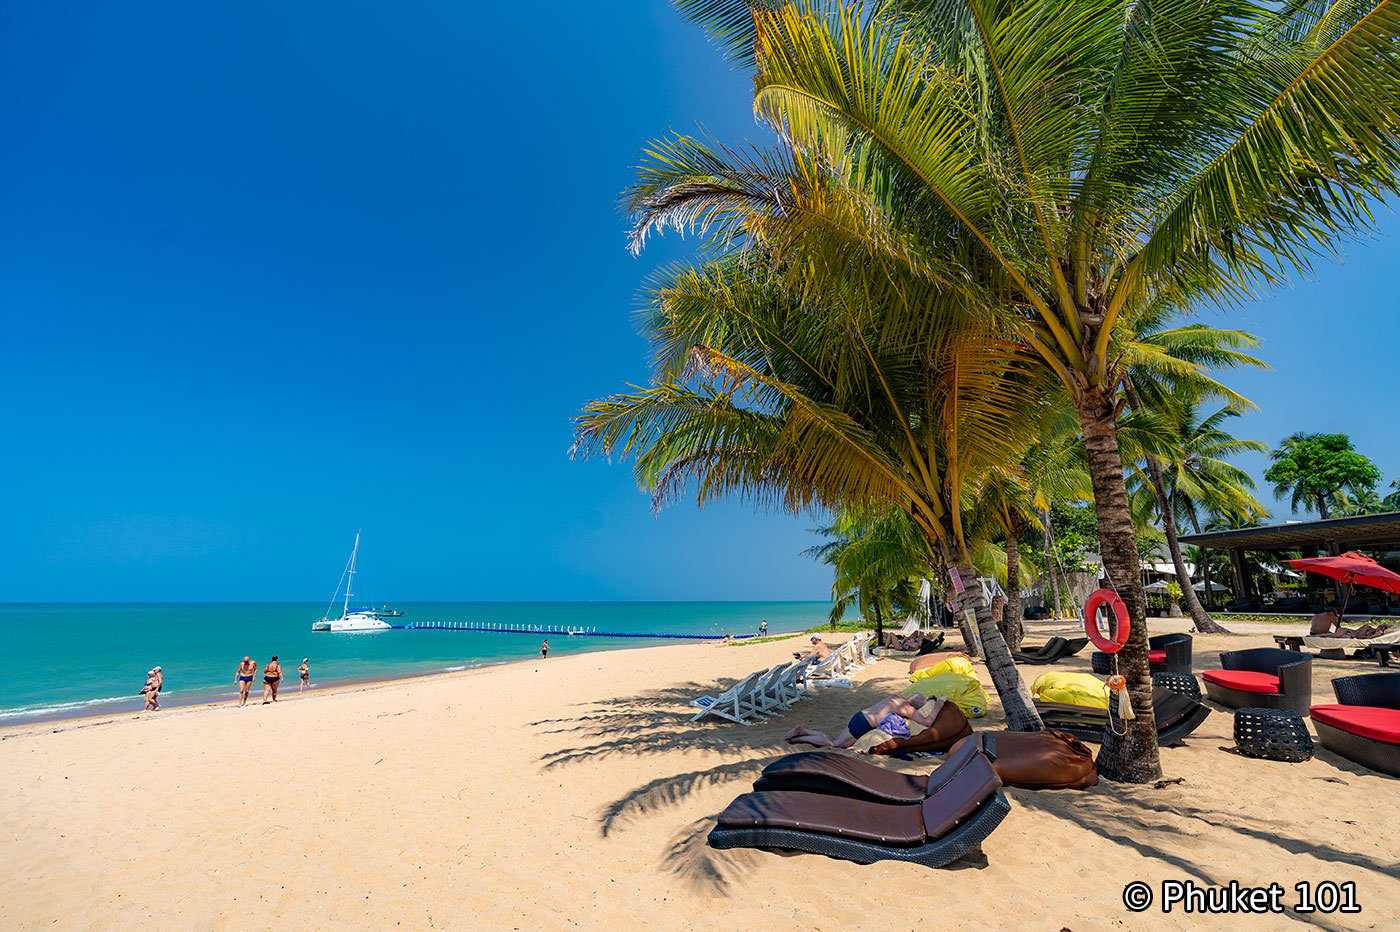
{"points": [[1352, 567], [1158, 586], [1214, 587]]}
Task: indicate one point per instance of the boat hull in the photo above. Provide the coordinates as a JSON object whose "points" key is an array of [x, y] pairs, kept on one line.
{"points": [[355, 621]]}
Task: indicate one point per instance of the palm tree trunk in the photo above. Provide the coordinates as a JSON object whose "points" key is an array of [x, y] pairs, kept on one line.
{"points": [[1204, 623], [1049, 538], [1131, 757], [1012, 631], [1015, 695], [879, 623], [965, 627]]}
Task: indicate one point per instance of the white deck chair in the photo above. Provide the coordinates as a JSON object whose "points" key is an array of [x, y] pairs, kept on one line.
{"points": [[735, 703], [828, 672], [766, 695], [788, 689]]}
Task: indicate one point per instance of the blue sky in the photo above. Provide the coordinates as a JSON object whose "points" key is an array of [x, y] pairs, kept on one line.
{"points": [[272, 272]]}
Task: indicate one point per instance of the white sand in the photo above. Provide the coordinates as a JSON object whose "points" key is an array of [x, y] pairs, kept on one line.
{"points": [[573, 793]]}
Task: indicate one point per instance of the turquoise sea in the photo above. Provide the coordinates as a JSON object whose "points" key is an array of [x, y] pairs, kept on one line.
{"points": [[83, 659]]}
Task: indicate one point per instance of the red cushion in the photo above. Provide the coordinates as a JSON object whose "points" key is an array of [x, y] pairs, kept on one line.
{"points": [[1156, 656], [1246, 681], [1368, 721]]}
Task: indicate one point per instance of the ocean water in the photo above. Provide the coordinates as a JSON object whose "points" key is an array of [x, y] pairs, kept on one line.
{"points": [[92, 658]]}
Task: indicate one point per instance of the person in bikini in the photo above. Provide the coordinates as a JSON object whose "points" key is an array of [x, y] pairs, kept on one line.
{"points": [[888, 715], [305, 672], [243, 676], [154, 680], [272, 675]]}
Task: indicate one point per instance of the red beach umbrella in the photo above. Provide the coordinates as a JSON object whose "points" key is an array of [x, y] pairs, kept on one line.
{"points": [[1351, 568]]}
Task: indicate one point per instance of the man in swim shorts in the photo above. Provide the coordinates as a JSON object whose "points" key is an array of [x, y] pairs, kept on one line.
{"points": [[243, 676], [888, 715], [272, 675], [544, 650], [305, 672], [819, 650]]}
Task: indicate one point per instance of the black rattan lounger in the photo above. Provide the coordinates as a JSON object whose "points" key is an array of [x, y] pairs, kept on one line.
{"points": [[965, 808], [1056, 648], [1177, 717]]}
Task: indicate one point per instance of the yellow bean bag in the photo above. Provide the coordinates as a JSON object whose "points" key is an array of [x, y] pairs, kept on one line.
{"points": [[1073, 688], [946, 665], [961, 689]]}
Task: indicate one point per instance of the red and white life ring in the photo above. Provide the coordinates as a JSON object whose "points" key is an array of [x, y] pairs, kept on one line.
{"points": [[1122, 625]]}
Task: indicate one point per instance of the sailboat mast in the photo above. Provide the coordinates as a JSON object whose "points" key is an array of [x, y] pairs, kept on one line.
{"points": [[350, 578]]}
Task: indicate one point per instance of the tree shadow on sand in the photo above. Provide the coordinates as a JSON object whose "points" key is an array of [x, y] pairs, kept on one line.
{"points": [[1148, 821], [659, 722]]}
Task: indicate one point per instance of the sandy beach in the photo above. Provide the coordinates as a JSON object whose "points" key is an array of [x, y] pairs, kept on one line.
{"points": [[574, 793]]}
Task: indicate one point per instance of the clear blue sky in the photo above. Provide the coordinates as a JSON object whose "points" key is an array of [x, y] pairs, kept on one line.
{"points": [[272, 272]]}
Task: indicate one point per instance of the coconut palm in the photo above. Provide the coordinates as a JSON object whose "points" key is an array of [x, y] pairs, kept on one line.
{"points": [[877, 560], [1166, 381], [1071, 162], [1011, 500], [829, 400]]}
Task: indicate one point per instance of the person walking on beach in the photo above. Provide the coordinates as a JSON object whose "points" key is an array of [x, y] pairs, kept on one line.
{"points": [[887, 715], [763, 627], [243, 676], [154, 680], [272, 675], [305, 672], [544, 650]]}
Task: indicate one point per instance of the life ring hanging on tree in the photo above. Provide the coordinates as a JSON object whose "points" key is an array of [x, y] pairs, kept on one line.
{"points": [[1122, 625]]}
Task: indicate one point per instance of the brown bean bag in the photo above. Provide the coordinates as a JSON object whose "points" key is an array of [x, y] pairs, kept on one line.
{"points": [[924, 661], [949, 727], [1043, 760]]}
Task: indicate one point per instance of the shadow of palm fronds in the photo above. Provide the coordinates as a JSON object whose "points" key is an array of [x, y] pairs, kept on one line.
{"points": [[705, 869], [1151, 823], [666, 792]]}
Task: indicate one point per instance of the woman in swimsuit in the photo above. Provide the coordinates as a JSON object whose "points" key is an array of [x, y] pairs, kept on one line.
{"points": [[243, 676], [272, 675], [151, 691], [305, 672]]}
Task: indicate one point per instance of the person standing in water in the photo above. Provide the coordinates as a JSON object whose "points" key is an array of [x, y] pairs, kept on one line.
{"points": [[305, 672], [544, 650], [243, 676], [763, 627], [272, 675]]}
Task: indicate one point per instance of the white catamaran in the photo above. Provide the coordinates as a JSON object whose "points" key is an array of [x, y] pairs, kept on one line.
{"points": [[361, 619]]}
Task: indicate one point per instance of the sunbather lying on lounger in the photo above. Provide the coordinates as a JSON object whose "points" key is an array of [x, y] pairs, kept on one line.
{"points": [[1326, 624], [888, 715]]}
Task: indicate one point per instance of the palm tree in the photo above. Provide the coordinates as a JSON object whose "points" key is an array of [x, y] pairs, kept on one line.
{"points": [[1160, 386], [1070, 163], [1196, 477], [829, 400], [876, 559], [1012, 500]]}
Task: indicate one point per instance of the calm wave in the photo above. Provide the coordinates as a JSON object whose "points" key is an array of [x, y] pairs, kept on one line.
{"points": [[82, 658]]}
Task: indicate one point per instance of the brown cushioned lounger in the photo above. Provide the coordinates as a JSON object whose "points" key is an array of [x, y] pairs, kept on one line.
{"points": [[838, 774], [1177, 716], [942, 828]]}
